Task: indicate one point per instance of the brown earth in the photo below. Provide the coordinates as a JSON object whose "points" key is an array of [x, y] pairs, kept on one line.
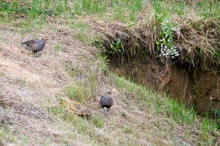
{"points": [[195, 88]]}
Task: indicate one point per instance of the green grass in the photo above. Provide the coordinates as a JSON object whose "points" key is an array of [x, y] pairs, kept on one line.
{"points": [[78, 92], [206, 9], [98, 122], [85, 87], [34, 9], [6, 134], [179, 112]]}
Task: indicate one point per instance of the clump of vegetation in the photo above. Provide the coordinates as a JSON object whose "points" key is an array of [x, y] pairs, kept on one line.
{"points": [[166, 44]]}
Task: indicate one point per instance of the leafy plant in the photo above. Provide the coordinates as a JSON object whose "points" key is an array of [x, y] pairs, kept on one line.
{"points": [[167, 48], [116, 47]]}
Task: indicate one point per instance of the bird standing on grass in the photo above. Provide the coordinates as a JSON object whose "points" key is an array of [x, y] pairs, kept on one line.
{"points": [[35, 45], [106, 101]]}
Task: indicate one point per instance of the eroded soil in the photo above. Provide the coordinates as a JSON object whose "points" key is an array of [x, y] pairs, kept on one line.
{"points": [[194, 87]]}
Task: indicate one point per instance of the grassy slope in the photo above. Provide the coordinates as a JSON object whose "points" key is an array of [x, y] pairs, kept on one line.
{"points": [[38, 95]]}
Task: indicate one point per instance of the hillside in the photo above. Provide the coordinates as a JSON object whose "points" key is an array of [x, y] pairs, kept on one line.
{"points": [[52, 98]]}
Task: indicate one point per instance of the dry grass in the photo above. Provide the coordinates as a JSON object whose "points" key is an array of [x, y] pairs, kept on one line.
{"points": [[28, 82]]}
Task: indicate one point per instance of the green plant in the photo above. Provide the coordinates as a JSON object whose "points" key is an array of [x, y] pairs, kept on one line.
{"points": [[116, 47], [47, 142], [78, 92], [167, 47], [215, 112], [1, 74], [97, 121], [179, 112], [6, 134], [120, 82], [24, 140], [103, 63], [128, 129], [90, 6], [206, 127], [58, 47]]}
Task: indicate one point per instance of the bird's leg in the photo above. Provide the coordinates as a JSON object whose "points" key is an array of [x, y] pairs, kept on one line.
{"points": [[105, 108]]}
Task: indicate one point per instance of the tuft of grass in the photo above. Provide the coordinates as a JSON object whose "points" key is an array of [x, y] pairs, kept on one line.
{"points": [[179, 112], [206, 127], [128, 129], [98, 121], [2, 74], [24, 140], [6, 134], [78, 92], [63, 113], [120, 82], [85, 87]]}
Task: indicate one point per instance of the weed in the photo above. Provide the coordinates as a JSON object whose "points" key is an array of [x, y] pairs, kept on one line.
{"points": [[24, 140], [47, 142], [58, 47], [98, 122], [115, 47], [158, 106], [77, 93], [103, 64], [128, 129], [206, 127], [167, 47], [179, 113], [6, 134], [82, 91], [2, 74], [132, 86], [120, 81]]}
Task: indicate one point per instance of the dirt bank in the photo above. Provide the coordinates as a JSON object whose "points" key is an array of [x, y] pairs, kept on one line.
{"points": [[193, 87]]}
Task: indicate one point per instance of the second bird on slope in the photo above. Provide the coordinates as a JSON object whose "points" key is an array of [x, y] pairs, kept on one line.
{"points": [[106, 101]]}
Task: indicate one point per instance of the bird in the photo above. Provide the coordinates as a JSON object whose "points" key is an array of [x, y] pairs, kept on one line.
{"points": [[106, 102], [35, 45]]}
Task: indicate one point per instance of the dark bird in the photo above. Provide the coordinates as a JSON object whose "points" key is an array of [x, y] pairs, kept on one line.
{"points": [[35, 45], [106, 101]]}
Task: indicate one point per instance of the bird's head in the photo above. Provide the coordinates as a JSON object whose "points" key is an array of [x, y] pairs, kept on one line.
{"points": [[45, 38]]}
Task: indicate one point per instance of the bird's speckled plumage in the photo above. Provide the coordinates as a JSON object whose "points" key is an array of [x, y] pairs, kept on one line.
{"points": [[35, 45]]}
